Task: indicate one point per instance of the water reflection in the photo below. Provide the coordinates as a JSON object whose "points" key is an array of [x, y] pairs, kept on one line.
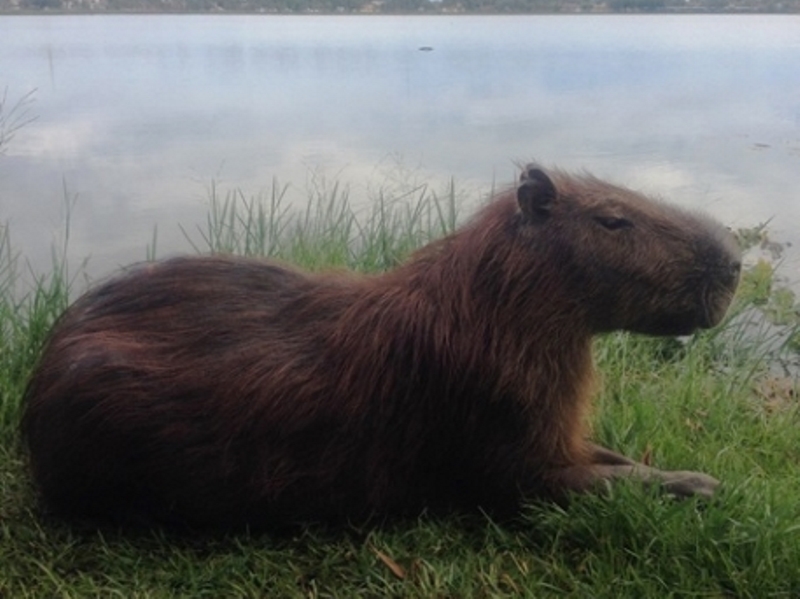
{"points": [[138, 114]]}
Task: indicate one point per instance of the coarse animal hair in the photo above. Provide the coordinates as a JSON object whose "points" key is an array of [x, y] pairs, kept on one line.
{"points": [[222, 391]]}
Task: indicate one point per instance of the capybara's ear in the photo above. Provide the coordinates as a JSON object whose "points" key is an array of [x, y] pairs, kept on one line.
{"points": [[536, 193]]}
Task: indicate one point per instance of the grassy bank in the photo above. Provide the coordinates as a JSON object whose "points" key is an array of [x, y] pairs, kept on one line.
{"points": [[716, 403]]}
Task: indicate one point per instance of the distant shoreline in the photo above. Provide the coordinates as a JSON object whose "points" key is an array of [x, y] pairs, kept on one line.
{"points": [[67, 13], [398, 7]]}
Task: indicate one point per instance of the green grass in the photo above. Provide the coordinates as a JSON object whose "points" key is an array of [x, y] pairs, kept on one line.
{"points": [[714, 403]]}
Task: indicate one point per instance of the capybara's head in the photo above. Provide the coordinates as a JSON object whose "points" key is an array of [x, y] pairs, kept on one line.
{"points": [[632, 262]]}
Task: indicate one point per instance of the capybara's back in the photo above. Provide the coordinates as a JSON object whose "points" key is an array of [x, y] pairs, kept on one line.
{"points": [[221, 391]]}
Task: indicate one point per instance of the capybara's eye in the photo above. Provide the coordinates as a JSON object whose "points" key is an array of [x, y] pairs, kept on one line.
{"points": [[614, 223]]}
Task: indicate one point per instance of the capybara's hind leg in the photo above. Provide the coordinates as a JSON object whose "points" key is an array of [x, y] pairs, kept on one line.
{"points": [[606, 466]]}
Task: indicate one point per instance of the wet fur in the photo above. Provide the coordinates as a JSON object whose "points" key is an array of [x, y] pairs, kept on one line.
{"points": [[222, 391]]}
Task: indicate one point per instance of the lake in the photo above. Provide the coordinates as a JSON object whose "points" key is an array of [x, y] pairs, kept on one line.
{"points": [[137, 116]]}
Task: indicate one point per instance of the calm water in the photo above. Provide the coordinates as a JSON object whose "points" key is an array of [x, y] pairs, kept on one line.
{"points": [[137, 115]]}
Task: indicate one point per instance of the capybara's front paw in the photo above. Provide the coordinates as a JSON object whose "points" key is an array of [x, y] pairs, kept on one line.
{"points": [[684, 483]]}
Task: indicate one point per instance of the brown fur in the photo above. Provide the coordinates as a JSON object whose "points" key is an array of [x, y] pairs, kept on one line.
{"points": [[227, 391]]}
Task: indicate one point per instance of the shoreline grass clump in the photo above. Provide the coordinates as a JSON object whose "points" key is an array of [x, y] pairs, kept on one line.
{"points": [[329, 232], [715, 402]]}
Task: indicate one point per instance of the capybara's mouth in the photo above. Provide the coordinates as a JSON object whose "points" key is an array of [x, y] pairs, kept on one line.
{"points": [[713, 307], [670, 325]]}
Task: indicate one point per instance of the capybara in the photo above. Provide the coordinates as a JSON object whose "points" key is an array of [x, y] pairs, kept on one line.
{"points": [[227, 392]]}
